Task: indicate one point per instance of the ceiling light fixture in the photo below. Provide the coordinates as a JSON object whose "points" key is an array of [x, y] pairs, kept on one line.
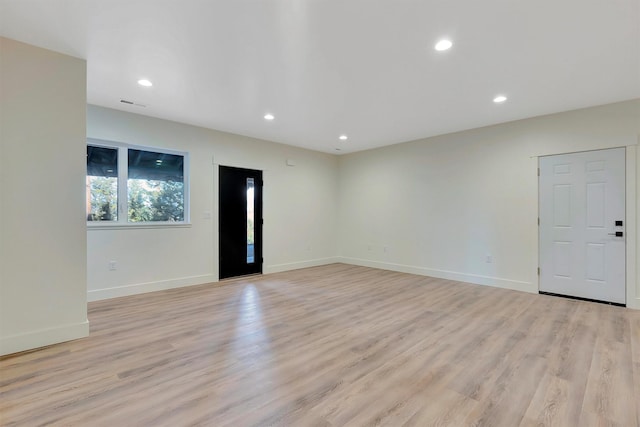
{"points": [[343, 137], [145, 83], [269, 117], [499, 99], [443, 44]]}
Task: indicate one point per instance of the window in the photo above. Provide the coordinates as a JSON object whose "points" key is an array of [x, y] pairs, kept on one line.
{"points": [[128, 185], [251, 258], [102, 184]]}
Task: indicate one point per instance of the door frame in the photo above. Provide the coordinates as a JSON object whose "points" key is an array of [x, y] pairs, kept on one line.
{"points": [[215, 219], [236, 262], [631, 278]]}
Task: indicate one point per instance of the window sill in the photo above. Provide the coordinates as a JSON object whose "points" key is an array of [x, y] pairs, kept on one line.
{"points": [[128, 226]]}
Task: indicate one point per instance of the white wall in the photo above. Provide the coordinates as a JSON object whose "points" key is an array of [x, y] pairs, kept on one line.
{"points": [[439, 206], [42, 174], [436, 206], [299, 208]]}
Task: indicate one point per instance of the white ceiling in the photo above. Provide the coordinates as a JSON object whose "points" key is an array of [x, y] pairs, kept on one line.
{"points": [[364, 68]]}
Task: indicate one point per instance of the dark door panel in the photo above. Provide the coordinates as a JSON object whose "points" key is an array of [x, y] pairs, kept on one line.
{"points": [[240, 222]]}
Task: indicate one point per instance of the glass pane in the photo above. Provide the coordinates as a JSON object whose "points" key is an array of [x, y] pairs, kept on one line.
{"points": [[155, 186], [102, 184], [250, 228]]}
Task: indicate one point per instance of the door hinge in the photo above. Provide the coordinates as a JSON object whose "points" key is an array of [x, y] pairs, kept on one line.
{"points": [[538, 271], [538, 171], [538, 220]]}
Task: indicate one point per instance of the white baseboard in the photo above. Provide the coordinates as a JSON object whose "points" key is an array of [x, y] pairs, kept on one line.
{"points": [[43, 337], [633, 303], [443, 274], [278, 268], [141, 288]]}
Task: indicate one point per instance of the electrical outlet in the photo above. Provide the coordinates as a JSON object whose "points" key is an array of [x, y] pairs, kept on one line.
{"points": [[489, 259], [112, 265]]}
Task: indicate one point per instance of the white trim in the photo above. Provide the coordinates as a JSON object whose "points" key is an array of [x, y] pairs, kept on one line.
{"points": [[123, 177], [631, 228], [103, 225], [43, 337], [277, 268], [216, 210], [141, 288], [631, 200], [477, 279], [535, 229], [116, 144], [215, 217], [238, 164]]}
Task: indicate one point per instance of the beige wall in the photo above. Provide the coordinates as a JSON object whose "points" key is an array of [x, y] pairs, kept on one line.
{"points": [[299, 208], [436, 206], [439, 206], [42, 173]]}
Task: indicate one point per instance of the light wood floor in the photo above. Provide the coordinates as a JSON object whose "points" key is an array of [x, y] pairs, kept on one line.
{"points": [[335, 346]]}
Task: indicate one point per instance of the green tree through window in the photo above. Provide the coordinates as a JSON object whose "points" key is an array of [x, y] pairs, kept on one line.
{"points": [[154, 190]]}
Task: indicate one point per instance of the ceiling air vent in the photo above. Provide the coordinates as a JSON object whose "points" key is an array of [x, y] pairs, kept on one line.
{"points": [[124, 101]]}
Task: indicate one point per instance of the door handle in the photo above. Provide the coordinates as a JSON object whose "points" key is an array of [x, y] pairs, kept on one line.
{"points": [[617, 234]]}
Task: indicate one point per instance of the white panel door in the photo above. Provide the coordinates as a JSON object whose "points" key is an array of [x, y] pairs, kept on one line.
{"points": [[582, 219]]}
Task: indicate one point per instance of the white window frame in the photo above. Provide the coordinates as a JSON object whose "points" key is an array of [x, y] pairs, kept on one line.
{"points": [[123, 196]]}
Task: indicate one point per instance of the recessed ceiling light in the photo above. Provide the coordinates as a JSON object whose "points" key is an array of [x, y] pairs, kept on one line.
{"points": [[343, 137], [269, 117], [499, 99], [443, 44], [145, 83]]}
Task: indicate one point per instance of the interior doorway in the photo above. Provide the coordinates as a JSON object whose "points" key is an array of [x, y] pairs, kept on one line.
{"points": [[240, 222], [582, 225]]}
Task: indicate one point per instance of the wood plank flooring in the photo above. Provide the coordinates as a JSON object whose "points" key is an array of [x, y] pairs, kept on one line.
{"points": [[333, 346]]}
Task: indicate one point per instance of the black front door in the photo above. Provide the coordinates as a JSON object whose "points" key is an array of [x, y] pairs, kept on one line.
{"points": [[240, 222]]}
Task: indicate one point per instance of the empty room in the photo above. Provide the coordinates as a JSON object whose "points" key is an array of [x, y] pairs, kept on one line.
{"points": [[319, 213]]}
